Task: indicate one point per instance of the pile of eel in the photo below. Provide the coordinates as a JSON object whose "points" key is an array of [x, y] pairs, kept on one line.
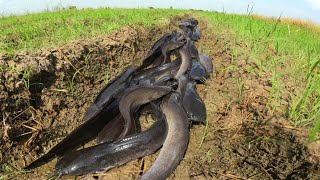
{"points": [[163, 87]]}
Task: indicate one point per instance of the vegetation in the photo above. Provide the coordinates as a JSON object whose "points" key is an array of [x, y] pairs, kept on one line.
{"points": [[52, 28]]}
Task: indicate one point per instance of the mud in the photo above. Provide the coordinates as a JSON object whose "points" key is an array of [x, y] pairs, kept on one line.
{"points": [[44, 94]]}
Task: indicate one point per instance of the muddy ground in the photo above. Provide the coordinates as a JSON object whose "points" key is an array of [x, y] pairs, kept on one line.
{"points": [[44, 94]]}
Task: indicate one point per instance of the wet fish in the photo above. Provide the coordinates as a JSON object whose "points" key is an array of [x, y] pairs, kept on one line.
{"points": [[189, 28], [113, 89], [176, 142], [156, 71], [112, 130], [167, 48], [195, 34], [182, 83], [133, 99], [84, 133], [160, 42], [190, 23], [193, 104], [155, 52], [186, 61], [105, 156], [197, 71], [206, 62], [193, 50]]}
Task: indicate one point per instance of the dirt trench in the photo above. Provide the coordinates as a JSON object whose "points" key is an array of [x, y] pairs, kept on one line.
{"points": [[44, 94]]}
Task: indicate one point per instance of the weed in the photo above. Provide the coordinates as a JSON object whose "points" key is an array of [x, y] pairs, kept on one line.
{"points": [[8, 172], [71, 82], [26, 74], [241, 90]]}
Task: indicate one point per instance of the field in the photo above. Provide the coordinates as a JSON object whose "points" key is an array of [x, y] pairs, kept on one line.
{"points": [[263, 101]]}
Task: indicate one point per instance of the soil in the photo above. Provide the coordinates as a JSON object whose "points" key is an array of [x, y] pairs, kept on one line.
{"points": [[44, 94]]}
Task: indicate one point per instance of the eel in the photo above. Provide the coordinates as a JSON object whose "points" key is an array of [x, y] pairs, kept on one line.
{"points": [[160, 42], [155, 52], [133, 99], [193, 104], [112, 90], [196, 34], [186, 61], [188, 26], [156, 71], [206, 62], [175, 143], [105, 156], [82, 134], [112, 130], [197, 71], [193, 50], [167, 48], [190, 23]]}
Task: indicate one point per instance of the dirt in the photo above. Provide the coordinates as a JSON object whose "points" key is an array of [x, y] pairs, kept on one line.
{"points": [[44, 94]]}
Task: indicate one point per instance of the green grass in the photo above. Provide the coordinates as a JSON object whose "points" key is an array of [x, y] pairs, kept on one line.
{"points": [[8, 172], [288, 53], [49, 29]]}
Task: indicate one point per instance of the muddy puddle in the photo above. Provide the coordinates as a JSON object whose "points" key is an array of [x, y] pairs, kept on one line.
{"points": [[44, 94]]}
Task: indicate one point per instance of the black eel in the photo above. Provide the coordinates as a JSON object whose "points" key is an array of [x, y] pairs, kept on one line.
{"points": [[186, 61], [84, 133], [156, 71], [176, 142], [167, 48], [206, 62], [113, 89], [193, 50], [112, 130], [133, 99], [197, 71], [105, 156], [191, 101]]}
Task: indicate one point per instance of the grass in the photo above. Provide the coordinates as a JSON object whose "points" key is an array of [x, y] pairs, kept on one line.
{"points": [[49, 29], [8, 172]]}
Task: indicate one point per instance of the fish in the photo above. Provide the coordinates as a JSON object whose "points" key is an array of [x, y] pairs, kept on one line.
{"points": [[197, 71], [112, 130], [192, 103], [190, 23], [105, 156], [206, 62], [160, 42], [133, 99], [113, 89], [156, 49], [154, 72], [195, 34], [193, 50], [87, 131], [167, 48], [186, 61], [175, 143], [182, 83], [188, 26]]}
